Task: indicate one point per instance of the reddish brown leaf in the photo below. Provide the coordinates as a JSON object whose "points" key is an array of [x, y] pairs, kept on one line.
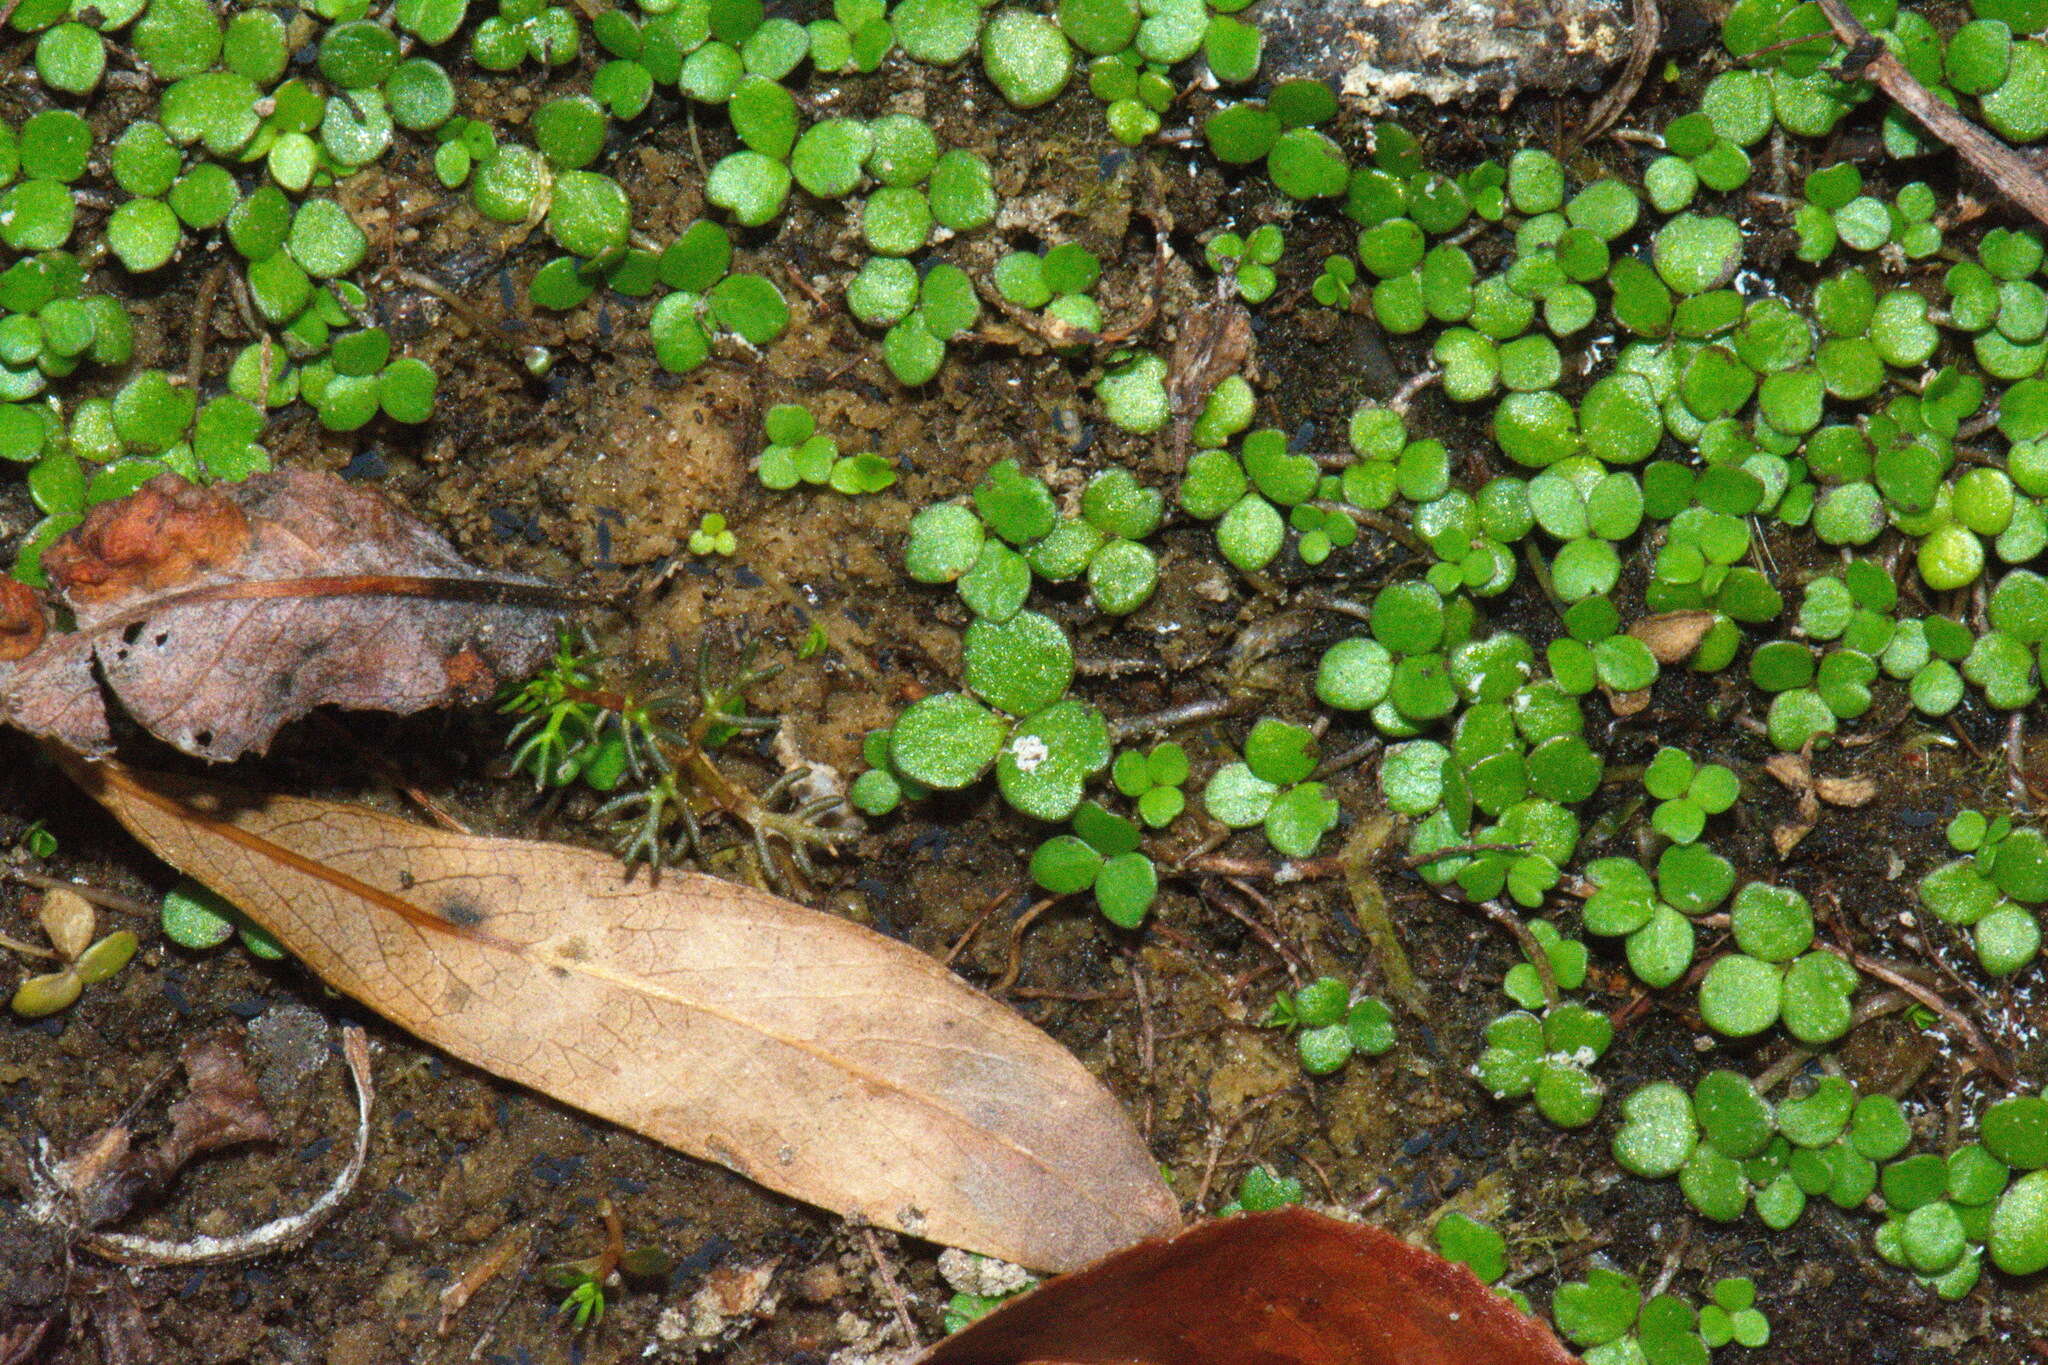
{"points": [[800, 1049], [1288, 1287], [223, 1108], [216, 615]]}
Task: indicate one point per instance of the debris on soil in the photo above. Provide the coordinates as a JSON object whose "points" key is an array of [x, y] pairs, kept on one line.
{"points": [[1381, 53], [1287, 1285], [217, 615]]}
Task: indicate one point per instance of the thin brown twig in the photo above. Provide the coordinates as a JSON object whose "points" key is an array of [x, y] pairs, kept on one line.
{"points": [[504, 1308], [1787, 1066], [1220, 1138], [106, 900], [1647, 25], [456, 1295], [1266, 870], [1016, 963], [1147, 1044], [1297, 970], [1187, 713], [2014, 178], [1531, 949], [1001, 899], [15, 945], [1414, 860], [897, 1300], [202, 317], [1956, 1019]]}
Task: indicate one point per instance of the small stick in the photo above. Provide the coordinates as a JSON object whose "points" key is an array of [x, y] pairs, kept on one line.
{"points": [[498, 1314], [1415, 860], [1297, 970], [2014, 177], [15, 945], [202, 316], [1957, 1020], [106, 900], [1146, 1044], [1531, 949], [1265, 870], [1220, 1138], [460, 1291], [1016, 964], [1187, 713], [2016, 761], [1787, 1066], [887, 1274], [1002, 898], [1647, 23], [1414, 385]]}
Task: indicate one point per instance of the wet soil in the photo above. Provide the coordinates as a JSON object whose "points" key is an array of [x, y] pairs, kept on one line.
{"points": [[595, 476]]}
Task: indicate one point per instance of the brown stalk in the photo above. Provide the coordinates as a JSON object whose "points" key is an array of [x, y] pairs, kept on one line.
{"points": [[2017, 180], [1647, 29]]}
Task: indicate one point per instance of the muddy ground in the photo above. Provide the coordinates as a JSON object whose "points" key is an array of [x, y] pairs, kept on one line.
{"points": [[595, 476]]}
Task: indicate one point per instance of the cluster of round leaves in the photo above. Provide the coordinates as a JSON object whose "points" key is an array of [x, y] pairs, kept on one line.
{"points": [[1744, 381], [1331, 1024], [1732, 1150], [911, 189], [1248, 259], [1994, 68], [1059, 281], [797, 452], [1992, 889], [1099, 854], [1272, 788], [1013, 532], [1016, 664], [1133, 46], [1687, 793], [1608, 1317], [1549, 1057]]}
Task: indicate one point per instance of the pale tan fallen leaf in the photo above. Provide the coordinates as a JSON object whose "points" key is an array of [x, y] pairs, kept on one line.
{"points": [[804, 1051], [1845, 791], [1626, 704], [217, 615], [1791, 771], [1672, 636]]}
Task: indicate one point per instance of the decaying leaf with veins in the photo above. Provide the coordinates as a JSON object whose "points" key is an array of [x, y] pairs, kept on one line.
{"points": [[809, 1053], [217, 615]]}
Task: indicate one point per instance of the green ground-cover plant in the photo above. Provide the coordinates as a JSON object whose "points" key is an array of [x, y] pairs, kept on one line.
{"points": [[1880, 398]]}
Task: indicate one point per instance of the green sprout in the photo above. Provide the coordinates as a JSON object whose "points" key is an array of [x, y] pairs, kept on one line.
{"points": [[84, 956], [1330, 1026], [712, 536]]}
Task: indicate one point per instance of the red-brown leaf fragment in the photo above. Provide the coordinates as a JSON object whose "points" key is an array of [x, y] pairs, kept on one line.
{"points": [[1288, 1287], [217, 615], [21, 620]]}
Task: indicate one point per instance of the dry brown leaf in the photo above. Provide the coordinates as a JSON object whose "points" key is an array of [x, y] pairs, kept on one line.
{"points": [[1289, 1287], [1845, 791], [216, 615], [804, 1051], [1626, 704], [1672, 636], [1791, 770]]}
